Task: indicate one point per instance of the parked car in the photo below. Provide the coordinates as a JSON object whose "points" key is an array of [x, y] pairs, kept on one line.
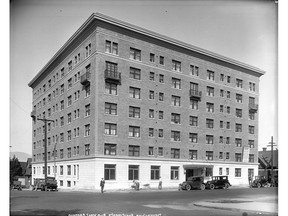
{"points": [[194, 182], [16, 185], [39, 184], [218, 182], [260, 181]]}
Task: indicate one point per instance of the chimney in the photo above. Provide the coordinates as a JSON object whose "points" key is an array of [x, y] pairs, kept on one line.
{"points": [[264, 149]]}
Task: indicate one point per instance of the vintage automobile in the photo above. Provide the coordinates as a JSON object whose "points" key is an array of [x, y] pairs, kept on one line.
{"points": [[16, 185], [260, 181], [194, 182], [40, 184], [218, 182]]}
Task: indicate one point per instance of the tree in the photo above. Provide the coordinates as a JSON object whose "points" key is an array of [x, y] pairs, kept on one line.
{"points": [[15, 168]]}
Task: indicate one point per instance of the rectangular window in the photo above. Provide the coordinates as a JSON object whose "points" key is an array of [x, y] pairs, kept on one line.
{"points": [[161, 78], [251, 158], [176, 83], [87, 110], [111, 47], [109, 171], [238, 127], [238, 142], [228, 79], [239, 83], [251, 129], [194, 104], [210, 91], [251, 143], [69, 66], [135, 73], [155, 172], [238, 157], [251, 115], [61, 170], [133, 172], [87, 90], [151, 150], [194, 70], [135, 54], [175, 118], [87, 130], [239, 113], [161, 60], [161, 96], [134, 112], [193, 120], [134, 151], [87, 149], [251, 172], [110, 88], [221, 139], [151, 95], [221, 93], [227, 155], [210, 75], [193, 137], [228, 109], [69, 135], [109, 149], [69, 101], [174, 173], [88, 50], [110, 129], [151, 132], [134, 92], [160, 133], [160, 151], [68, 169], [222, 77], [252, 86], [151, 113], [193, 154], [175, 100], [175, 135], [134, 131], [110, 108], [209, 123], [221, 156], [237, 172], [161, 115], [209, 139], [220, 170], [209, 107], [227, 140], [176, 66], [209, 155], [152, 76], [175, 153], [152, 57], [239, 98]]}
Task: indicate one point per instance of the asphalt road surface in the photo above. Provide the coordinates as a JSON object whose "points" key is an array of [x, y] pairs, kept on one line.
{"points": [[148, 203]]}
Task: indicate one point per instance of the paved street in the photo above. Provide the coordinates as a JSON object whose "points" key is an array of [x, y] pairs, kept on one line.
{"points": [[145, 202]]}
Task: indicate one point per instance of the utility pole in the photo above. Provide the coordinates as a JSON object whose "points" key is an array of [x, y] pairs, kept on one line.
{"points": [[272, 174], [54, 151], [45, 148]]}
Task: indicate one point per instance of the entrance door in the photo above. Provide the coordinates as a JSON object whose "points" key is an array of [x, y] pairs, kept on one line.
{"points": [[189, 173]]}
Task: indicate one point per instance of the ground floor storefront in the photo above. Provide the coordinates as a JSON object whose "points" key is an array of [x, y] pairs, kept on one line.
{"points": [[121, 173]]}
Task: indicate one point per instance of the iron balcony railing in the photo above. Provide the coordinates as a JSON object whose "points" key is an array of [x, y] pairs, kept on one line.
{"points": [[253, 107], [85, 78], [114, 75], [195, 94]]}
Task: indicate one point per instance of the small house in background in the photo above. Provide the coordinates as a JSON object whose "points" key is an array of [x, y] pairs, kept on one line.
{"points": [[25, 177], [265, 163]]}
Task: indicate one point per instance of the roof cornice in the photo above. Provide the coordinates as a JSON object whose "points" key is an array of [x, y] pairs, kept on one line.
{"points": [[134, 28]]}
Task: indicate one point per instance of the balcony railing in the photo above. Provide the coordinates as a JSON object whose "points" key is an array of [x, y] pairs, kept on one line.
{"points": [[85, 78], [195, 94], [253, 107], [113, 76]]}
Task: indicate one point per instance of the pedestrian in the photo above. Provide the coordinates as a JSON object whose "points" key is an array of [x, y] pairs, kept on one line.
{"points": [[160, 184], [102, 184], [250, 180]]}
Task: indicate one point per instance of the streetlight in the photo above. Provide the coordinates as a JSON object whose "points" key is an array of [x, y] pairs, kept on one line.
{"points": [[45, 148]]}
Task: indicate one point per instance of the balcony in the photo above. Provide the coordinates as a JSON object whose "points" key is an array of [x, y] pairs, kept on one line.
{"points": [[253, 107], [113, 76], [33, 114], [195, 94], [85, 78]]}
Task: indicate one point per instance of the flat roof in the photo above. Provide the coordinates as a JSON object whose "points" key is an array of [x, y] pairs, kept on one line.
{"points": [[134, 28]]}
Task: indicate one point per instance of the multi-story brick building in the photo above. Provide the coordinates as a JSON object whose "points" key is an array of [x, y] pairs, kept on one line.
{"points": [[130, 104]]}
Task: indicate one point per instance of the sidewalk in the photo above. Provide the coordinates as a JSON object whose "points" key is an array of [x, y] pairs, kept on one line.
{"points": [[265, 205]]}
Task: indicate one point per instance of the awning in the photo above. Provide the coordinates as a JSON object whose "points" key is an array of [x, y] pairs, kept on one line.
{"points": [[191, 166]]}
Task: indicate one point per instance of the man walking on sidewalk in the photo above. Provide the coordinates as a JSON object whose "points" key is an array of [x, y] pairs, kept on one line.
{"points": [[102, 184]]}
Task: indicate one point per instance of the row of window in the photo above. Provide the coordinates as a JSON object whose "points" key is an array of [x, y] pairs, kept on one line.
{"points": [[59, 75], [135, 54]]}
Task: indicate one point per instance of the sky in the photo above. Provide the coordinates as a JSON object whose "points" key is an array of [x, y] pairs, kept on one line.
{"points": [[242, 30]]}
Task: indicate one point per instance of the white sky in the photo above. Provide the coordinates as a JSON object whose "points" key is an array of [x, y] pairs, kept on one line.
{"points": [[242, 30]]}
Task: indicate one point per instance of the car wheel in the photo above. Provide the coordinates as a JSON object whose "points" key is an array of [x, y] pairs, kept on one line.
{"points": [[211, 186], [188, 187], [226, 186], [259, 185], [202, 187]]}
